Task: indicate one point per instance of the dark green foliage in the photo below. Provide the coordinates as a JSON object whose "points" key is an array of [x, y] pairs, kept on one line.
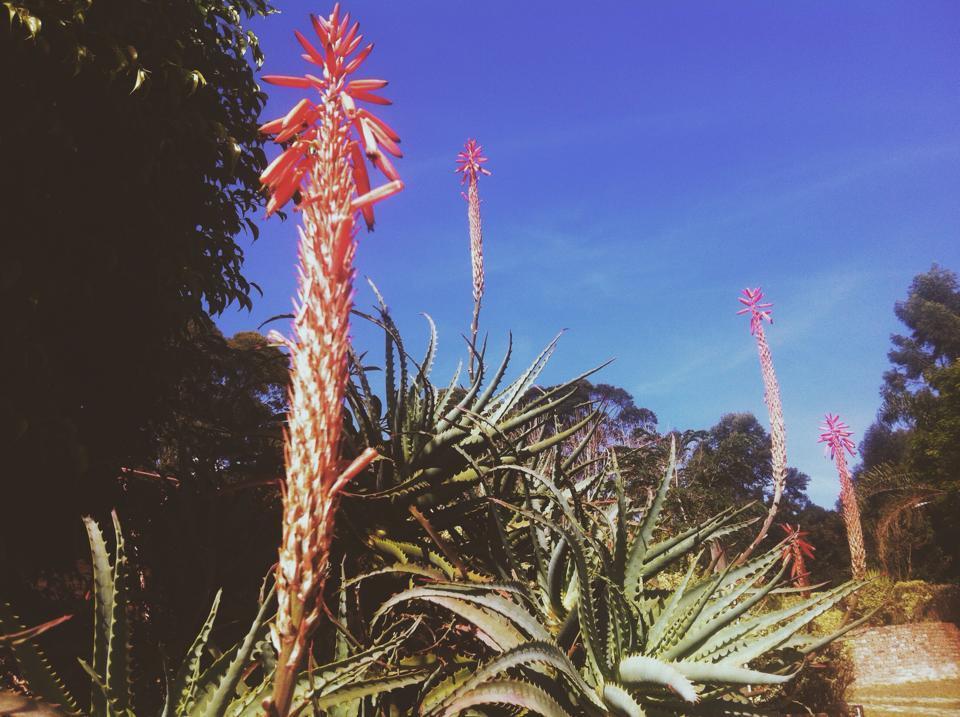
{"points": [[131, 156], [911, 456]]}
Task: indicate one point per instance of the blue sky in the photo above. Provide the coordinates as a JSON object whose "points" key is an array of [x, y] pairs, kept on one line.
{"points": [[649, 161]]}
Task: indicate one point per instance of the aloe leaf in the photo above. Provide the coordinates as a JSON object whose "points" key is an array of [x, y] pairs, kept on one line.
{"points": [[34, 667], [444, 402], [359, 689], [580, 447], [218, 685], [812, 609], [502, 404], [639, 669], [508, 609], [185, 681], [621, 702], [556, 575], [557, 438], [508, 692], [725, 673], [659, 627], [103, 612], [484, 398], [439, 693], [100, 687], [118, 658], [642, 540], [700, 632], [587, 612], [815, 645], [526, 655]]}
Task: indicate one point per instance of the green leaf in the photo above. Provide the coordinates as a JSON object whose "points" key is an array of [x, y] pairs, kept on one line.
{"points": [[34, 667], [185, 683], [508, 692], [639, 669], [103, 612], [218, 685]]}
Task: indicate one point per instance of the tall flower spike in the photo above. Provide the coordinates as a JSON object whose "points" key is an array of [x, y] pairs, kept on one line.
{"points": [[304, 126], [330, 142], [470, 163], [836, 434], [759, 311]]}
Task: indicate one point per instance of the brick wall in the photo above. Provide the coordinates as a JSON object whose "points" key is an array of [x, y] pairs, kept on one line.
{"points": [[905, 653]]}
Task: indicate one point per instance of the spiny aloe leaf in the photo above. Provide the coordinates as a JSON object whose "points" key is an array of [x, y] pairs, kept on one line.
{"points": [[508, 609], [14, 704], [399, 569], [639, 669], [447, 396], [761, 645], [508, 692], [359, 689], [814, 645], [587, 612], [642, 540], [700, 632], [556, 577], [103, 612], [34, 667], [730, 674], [515, 391], [184, 684], [666, 616], [436, 695], [218, 685], [99, 686], [495, 380], [526, 655], [621, 702], [118, 677]]}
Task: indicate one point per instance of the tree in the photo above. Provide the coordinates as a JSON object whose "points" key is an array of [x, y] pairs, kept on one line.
{"points": [[911, 455], [130, 168]]}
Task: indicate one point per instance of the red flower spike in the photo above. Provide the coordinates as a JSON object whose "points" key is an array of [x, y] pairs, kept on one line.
{"points": [[759, 311], [338, 38], [836, 434]]}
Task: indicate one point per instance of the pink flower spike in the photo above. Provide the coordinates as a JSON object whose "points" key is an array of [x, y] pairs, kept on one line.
{"points": [[836, 434], [470, 159], [759, 311]]}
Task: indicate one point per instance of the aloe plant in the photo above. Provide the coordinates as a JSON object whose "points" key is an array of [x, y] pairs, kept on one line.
{"points": [[200, 687], [588, 626]]}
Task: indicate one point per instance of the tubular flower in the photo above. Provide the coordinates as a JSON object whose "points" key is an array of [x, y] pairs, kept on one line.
{"points": [[759, 311], [796, 549], [470, 163], [329, 144], [334, 117], [836, 434]]}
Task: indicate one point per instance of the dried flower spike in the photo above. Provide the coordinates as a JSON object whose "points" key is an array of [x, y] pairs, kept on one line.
{"points": [[759, 311], [328, 143], [836, 434], [470, 163]]}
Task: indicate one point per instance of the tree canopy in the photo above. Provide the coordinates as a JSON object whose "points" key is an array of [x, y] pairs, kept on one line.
{"points": [[131, 168], [911, 455]]}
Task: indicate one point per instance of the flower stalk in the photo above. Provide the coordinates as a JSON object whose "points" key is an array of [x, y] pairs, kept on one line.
{"points": [[759, 312], [470, 163], [328, 143], [836, 434], [796, 549]]}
